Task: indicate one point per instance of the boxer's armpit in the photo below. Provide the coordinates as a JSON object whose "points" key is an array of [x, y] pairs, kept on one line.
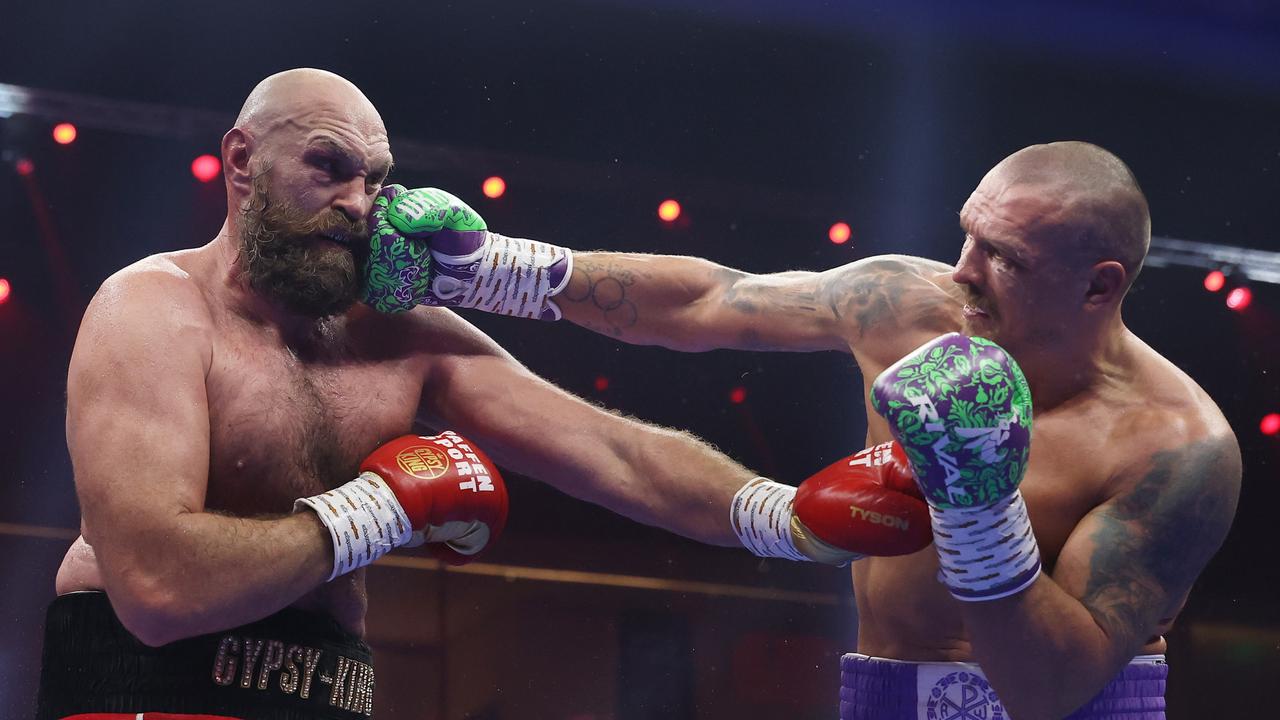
{"points": [[1153, 540]]}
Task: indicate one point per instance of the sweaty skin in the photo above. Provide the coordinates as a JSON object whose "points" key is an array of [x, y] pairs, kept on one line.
{"points": [[199, 409], [1134, 473]]}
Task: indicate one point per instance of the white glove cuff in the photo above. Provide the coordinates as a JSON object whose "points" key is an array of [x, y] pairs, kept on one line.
{"points": [[364, 519], [761, 518], [987, 553], [514, 277]]}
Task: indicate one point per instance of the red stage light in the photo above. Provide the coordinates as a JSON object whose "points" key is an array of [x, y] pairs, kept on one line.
{"points": [[602, 383], [206, 168], [24, 166], [669, 210], [1239, 298], [839, 233], [64, 133], [1270, 424], [1214, 281], [738, 395], [494, 187], [4, 291]]}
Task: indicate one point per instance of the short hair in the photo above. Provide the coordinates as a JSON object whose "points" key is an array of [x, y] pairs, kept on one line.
{"points": [[1100, 194]]}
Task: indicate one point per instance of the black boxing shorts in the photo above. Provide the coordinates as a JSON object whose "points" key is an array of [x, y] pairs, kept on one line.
{"points": [[293, 665]]}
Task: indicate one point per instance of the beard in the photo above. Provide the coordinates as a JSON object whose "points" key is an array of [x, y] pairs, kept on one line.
{"points": [[286, 260]]}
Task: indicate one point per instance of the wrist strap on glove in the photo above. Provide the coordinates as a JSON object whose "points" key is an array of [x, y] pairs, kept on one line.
{"points": [[761, 516], [987, 553], [513, 277], [364, 519]]}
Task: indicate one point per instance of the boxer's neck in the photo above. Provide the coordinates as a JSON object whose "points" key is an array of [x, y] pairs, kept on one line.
{"points": [[239, 297], [1083, 363]]}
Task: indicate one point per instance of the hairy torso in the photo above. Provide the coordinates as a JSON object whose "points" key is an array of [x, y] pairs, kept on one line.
{"points": [[291, 417]]}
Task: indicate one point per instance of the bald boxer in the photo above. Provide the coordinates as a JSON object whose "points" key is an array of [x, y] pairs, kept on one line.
{"points": [[237, 417], [1132, 477]]}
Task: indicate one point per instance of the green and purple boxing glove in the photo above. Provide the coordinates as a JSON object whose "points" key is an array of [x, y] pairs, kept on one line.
{"points": [[961, 409], [427, 247]]}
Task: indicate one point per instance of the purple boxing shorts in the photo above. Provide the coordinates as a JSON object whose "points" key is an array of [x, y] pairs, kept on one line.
{"points": [[880, 689]]}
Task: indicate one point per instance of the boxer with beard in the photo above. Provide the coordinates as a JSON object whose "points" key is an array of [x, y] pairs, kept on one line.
{"points": [[238, 427]]}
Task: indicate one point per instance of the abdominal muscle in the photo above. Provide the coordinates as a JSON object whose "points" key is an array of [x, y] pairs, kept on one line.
{"points": [[904, 613]]}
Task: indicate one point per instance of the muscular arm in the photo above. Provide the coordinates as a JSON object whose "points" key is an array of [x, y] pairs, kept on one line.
{"points": [[691, 304], [652, 475], [1128, 564], [138, 432]]}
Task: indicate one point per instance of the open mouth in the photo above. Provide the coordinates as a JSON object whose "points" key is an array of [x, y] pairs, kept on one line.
{"points": [[336, 237], [971, 310]]}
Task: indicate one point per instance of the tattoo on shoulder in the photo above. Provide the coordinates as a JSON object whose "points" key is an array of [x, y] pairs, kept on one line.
{"points": [[1155, 539], [876, 294]]}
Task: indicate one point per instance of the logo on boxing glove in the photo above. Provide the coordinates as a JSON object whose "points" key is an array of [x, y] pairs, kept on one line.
{"points": [[423, 461], [875, 518]]}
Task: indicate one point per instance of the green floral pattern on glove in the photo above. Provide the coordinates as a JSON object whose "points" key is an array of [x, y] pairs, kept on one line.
{"points": [[397, 272], [961, 409]]}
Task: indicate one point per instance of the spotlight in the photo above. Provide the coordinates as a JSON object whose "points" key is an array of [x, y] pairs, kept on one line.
{"points": [[206, 168], [494, 187], [1239, 298], [24, 166], [1215, 281], [839, 233], [669, 210], [5, 289], [1270, 424], [738, 395], [602, 383], [64, 133]]}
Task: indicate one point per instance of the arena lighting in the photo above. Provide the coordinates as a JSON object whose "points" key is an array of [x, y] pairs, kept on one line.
{"points": [[738, 395], [494, 187], [1215, 280], [669, 210], [839, 233], [64, 133], [5, 289], [206, 168], [1270, 424], [602, 383], [1239, 298], [24, 166]]}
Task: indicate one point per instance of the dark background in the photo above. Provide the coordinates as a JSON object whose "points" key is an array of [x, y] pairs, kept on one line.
{"points": [[768, 121]]}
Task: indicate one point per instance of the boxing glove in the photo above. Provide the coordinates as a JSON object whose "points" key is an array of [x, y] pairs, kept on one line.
{"points": [[427, 247], [866, 504], [440, 490], [960, 408]]}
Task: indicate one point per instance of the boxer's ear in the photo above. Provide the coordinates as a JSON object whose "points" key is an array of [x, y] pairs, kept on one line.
{"points": [[237, 148], [1107, 284]]}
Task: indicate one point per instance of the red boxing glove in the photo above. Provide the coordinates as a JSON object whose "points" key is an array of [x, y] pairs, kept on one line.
{"points": [[439, 490], [451, 492], [867, 503]]}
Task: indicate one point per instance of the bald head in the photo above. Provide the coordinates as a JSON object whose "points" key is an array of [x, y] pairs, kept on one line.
{"points": [[281, 98], [1101, 208], [304, 98]]}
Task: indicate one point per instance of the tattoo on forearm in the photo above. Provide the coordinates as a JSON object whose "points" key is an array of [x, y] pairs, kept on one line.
{"points": [[1159, 536], [605, 288]]}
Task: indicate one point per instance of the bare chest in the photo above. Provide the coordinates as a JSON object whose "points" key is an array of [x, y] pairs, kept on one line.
{"points": [[906, 613], [287, 422]]}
